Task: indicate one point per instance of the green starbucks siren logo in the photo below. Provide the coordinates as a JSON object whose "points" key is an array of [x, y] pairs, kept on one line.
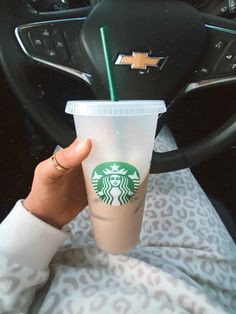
{"points": [[115, 182]]}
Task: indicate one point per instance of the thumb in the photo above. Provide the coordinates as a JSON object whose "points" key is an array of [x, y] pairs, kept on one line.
{"points": [[73, 155], [68, 158]]}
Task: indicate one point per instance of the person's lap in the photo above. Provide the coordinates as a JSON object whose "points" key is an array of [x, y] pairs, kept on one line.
{"points": [[181, 232]]}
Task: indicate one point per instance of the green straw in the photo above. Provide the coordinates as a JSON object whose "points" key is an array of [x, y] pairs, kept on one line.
{"points": [[108, 63]]}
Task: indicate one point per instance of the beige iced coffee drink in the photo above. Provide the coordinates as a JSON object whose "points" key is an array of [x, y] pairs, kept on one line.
{"points": [[116, 202]]}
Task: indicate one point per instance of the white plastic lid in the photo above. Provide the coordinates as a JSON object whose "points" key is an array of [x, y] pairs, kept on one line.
{"points": [[115, 108]]}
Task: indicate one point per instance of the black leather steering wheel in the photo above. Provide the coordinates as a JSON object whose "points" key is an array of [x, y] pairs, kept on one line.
{"points": [[190, 51]]}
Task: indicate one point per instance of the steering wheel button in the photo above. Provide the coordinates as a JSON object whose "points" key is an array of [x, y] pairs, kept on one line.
{"points": [[47, 32], [60, 47], [232, 67], [58, 41], [36, 40], [205, 70], [229, 56], [202, 72], [51, 53], [37, 43], [219, 45], [225, 63], [59, 44]]}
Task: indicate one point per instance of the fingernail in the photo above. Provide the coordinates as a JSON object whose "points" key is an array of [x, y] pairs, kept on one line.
{"points": [[80, 146]]}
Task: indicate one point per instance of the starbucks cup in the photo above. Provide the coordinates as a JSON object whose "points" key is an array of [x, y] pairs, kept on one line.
{"points": [[116, 171]]}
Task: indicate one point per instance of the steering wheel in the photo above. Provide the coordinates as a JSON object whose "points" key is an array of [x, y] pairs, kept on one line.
{"points": [[160, 49]]}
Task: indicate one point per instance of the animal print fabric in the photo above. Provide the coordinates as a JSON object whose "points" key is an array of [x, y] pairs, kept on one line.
{"points": [[185, 261]]}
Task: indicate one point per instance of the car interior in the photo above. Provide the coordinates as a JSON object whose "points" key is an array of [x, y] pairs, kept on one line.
{"points": [[50, 52]]}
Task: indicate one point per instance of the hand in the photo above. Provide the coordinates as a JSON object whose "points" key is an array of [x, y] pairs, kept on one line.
{"points": [[57, 196]]}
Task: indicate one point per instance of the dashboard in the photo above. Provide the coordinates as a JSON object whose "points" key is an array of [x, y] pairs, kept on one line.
{"points": [[223, 8]]}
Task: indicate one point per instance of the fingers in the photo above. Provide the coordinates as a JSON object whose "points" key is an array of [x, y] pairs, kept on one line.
{"points": [[68, 158]]}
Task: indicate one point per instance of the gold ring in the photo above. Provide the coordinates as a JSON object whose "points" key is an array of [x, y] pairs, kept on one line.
{"points": [[56, 164]]}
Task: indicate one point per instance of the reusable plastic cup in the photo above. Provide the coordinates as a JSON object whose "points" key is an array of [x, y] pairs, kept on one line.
{"points": [[116, 171]]}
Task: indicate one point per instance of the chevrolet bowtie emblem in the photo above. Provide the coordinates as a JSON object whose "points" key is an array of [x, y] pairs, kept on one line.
{"points": [[140, 61]]}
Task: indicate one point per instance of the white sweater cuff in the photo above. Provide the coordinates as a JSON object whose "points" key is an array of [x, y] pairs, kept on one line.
{"points": [[27, 240]]}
